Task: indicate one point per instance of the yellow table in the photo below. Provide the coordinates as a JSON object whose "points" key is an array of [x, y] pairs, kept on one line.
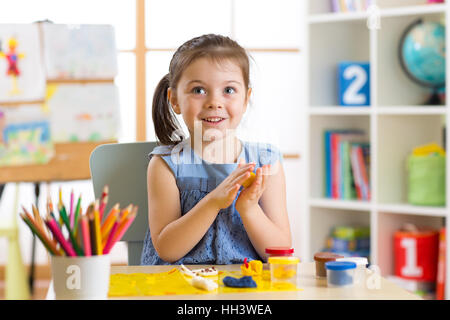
{"points": [[313, 289]]}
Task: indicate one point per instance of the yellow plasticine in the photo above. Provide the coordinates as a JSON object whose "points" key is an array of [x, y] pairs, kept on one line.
{"points": [[257, 266], [254, 268], [284, 273], [174, 282], [249, 180]]}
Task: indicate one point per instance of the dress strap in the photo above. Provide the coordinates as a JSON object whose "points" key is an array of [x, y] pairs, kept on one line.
{"points": [[165, 152]]}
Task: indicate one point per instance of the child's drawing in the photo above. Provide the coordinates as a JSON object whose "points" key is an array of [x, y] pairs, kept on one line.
{"points": [[22, 75], [25, 136], [79, 51], [84, 112]]}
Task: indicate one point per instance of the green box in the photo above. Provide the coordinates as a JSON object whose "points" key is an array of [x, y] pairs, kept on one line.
{"points": [[426, 180]]}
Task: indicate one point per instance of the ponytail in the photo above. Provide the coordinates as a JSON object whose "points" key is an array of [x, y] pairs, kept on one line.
{"points": [[166, 125]]}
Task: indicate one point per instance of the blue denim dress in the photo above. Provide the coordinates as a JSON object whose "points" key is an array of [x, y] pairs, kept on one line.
{"points": [[226, 241]]}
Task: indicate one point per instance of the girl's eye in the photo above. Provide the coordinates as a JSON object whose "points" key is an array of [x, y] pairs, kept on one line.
{"points": [[229, 90], [198, 90]]}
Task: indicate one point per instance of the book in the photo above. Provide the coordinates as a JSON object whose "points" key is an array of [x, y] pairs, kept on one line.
{"points": [[334, 165], [327, 144], [350, 5], [339, 180], [360, 172]]}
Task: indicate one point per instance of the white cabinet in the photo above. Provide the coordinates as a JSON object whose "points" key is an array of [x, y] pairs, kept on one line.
{"points": [[395, 123]]}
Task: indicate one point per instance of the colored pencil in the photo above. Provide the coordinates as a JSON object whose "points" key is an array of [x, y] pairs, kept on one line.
{"points": [[125, 213], [51, 209], [71, 216], [85, 233], [72, 238], [61, 221], [42, 227], [53, 226], [91, 233], [103, 201], [90, 216], [77, 213], [50, 214], [109, 241], [49, 245], [38, 219], [109, 222], [98, 235], [121, 230]]}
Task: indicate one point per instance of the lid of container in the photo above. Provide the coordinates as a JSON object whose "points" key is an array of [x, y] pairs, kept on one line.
{"points": [[358, 260], [413, 231], [279, 250], [284, 260], [326, 256], [340, 265]]}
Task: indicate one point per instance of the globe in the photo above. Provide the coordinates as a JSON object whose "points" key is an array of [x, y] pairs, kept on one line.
{"points": [[422, 56]]}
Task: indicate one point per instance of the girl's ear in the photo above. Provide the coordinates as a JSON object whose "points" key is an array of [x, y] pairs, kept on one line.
{"points": [[171, 98]]}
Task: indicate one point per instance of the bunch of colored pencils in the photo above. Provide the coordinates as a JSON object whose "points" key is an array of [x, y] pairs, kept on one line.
{"points": [[77, 234]]}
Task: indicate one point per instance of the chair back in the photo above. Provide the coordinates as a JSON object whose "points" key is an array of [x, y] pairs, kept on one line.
{"points": [[123, 168]]}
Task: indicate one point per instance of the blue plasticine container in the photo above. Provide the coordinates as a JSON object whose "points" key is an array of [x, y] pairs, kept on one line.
{"points": [[340, 273]]}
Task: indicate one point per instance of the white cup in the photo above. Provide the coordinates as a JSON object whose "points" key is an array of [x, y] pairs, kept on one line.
{"points": [[81, 278]]}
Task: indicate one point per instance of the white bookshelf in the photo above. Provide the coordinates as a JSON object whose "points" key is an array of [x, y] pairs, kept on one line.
{"points": [[396, 122]]}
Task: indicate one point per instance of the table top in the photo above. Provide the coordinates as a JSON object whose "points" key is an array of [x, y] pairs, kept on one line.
{"points": [[312, 288]]}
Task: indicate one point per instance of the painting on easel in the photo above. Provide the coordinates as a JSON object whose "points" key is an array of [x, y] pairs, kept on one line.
{"points": [[79, 51], [24, 136], [22, 75], [84, 113]]}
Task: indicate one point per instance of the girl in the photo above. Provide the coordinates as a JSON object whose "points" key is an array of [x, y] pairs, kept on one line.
{"points": [[199, 213]]}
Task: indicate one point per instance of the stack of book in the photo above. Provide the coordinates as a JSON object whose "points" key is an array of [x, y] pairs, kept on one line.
{"points": [[349, 241], [347, 164], [350, 5]]}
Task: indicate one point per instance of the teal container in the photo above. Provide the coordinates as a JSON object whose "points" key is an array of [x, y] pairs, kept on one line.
{"points": [[426, 180]]}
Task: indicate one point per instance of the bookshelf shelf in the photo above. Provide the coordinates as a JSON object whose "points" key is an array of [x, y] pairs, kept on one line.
{"points": [[405, 208], [412, 110], [338, 110], [385, 12], [380, 110], [340, 204], [401, 11], [413, 10], [396, 122]]}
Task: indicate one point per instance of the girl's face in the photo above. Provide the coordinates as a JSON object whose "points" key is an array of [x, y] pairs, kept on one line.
{"points": [[210, 95]]}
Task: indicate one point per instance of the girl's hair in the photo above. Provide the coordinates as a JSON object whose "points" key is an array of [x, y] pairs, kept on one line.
{"points": [[212, 46]]}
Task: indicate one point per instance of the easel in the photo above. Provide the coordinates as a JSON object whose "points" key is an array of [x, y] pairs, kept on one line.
{"points": [[71, 162]]}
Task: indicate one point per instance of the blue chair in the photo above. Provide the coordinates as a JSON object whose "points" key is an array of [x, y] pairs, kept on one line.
{"points": [[123, 167]]}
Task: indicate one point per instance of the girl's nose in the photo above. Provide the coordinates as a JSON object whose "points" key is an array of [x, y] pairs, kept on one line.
{"points": [[214, 102]]}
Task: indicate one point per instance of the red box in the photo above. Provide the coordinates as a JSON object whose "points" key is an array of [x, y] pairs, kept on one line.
{"points": [[416, 254]]}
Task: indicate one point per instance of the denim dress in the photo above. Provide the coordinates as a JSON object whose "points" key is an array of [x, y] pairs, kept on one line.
{"points": [[226, 241]]}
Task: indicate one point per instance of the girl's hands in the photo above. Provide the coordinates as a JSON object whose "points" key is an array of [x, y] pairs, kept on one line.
{"points": [[249, 196], [225, 193]]}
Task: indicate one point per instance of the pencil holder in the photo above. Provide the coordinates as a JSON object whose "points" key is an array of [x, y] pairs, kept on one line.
{"points": [[81, 278]]}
